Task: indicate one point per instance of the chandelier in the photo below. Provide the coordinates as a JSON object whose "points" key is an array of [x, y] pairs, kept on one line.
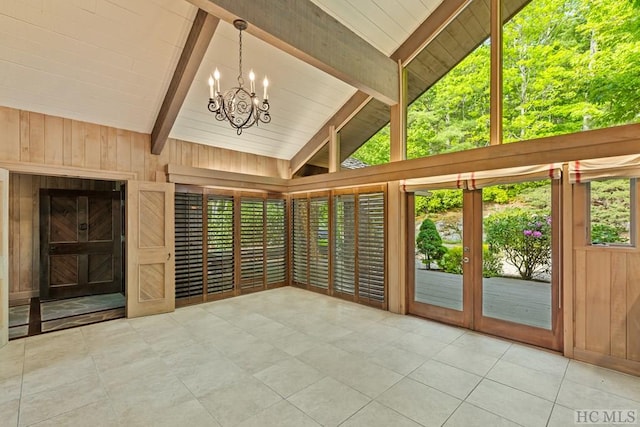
{"points": [[241, 107]]}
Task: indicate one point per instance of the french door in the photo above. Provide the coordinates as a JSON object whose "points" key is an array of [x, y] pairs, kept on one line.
{"points": [[500, 274]]}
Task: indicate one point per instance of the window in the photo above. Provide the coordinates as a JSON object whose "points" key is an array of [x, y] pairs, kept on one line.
{"points": [[569, 66], [448, 87], [612, 219]]}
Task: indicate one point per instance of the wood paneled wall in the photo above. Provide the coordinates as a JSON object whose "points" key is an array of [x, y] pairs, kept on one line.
{"points": [[28, 137], [606, 296], [54, 142]]}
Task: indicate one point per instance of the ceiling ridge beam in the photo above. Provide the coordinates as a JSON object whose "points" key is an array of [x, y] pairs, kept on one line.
{"points": [[305, 31], [202, 30]]}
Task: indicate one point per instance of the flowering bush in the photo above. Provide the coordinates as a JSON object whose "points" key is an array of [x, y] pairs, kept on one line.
{"points": [[523, 238]]}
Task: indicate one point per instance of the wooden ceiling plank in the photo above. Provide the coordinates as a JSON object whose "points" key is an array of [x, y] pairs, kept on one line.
{"points": [[306, 32], [202, 30]]}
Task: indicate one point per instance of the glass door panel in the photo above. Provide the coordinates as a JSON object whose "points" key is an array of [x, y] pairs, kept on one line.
{"points": [[441, 278], [518, 295]]}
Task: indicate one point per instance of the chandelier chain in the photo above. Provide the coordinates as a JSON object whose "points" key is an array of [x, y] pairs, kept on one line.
{"points": [[240, 78]]}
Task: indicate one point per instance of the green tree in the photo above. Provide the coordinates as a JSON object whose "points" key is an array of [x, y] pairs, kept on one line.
{"points": [[429, 243]]}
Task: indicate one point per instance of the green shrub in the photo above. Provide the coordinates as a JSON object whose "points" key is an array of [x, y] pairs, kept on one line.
{"points": [[429, 243], [451, 261], [495, 194], [603, 233], [491, 262]]}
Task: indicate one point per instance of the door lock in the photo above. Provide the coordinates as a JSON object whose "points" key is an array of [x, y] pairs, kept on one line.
{"points": [[465, 260]]}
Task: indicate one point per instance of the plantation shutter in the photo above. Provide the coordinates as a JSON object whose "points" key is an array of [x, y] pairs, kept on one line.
{"points": [[220, 239], [251, 243], [344, 250], [371, 247], [318, 244], [300, 216], [276, 242], [188, 245]]}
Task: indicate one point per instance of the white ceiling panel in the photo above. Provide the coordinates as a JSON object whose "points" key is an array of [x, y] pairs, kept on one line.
{"points": [[102, 61], [110, 62], [302, 97], [385, 24]]}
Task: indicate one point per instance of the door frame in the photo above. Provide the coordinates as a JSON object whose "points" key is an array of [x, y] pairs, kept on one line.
{"points": [[4, 257], [471, 317], [45, 195]]}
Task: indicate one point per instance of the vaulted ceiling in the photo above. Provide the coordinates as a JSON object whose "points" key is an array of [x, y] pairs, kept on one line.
{"points": [[112, 61]]}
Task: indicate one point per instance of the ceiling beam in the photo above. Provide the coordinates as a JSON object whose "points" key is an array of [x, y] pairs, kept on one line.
{"points": [[351, 107], [608, 142], [431, 27], [204, 25], [306, 32]]}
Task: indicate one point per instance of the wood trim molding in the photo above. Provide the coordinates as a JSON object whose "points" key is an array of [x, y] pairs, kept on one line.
{"points": [[567, 286], [66, 171], [623, 365], [608, 142], [325, 44], [202, 30], [616, 141], [221, 179], [334, 150], [495, 114]]}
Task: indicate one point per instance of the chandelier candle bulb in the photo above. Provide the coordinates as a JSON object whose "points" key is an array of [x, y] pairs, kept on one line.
{"points": [[216, 75], [252, 78], [265, 83]]}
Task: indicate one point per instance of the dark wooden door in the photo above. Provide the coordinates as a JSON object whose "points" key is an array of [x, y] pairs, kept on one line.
{"points": [[80, 243]]}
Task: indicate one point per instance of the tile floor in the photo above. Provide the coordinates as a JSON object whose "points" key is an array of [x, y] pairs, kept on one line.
{"points": [[289, 357]]}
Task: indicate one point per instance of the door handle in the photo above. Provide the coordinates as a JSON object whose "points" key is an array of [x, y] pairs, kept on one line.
{"points": [[465, 260]]}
